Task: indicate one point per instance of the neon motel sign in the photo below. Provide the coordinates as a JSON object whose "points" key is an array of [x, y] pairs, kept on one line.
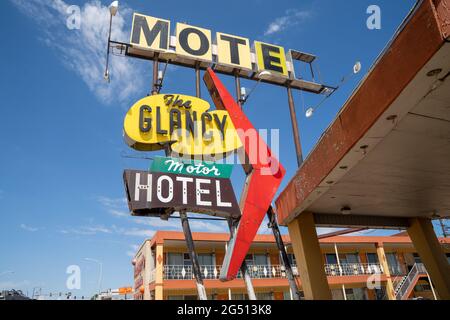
{"points": [[183, 122], [196, 44]]}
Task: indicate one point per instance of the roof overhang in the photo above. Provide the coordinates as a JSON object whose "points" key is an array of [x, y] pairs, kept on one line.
{"points": [[387, 153]]}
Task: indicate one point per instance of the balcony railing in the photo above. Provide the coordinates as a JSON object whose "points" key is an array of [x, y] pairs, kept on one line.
{"points": [[180, 272], [353, 269]]}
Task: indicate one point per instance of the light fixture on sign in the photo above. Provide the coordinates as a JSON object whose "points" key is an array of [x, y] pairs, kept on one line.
{"points": [[356, 69], [309, 112], [169, 55], [262, 75]]}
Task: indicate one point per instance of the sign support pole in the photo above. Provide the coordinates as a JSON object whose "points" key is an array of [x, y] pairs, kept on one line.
{"points": [[237, 82], [244, 269], [155, 74], [298, 145], [194, 259], [287, 265], [197, 81]]}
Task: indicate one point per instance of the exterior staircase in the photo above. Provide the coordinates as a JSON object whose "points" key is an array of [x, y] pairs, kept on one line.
{"points": [[405, 286]]}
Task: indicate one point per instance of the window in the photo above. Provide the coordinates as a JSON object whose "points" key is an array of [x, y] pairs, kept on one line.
{"points": [[448, 257], [239, 296], [394, 265], [380, 294], [264, 296], [372, 258], [337, 294], [186, 259], [331, 258], [256, 260], [260, 259], [175, 259], [206, 259], [351, 258]]}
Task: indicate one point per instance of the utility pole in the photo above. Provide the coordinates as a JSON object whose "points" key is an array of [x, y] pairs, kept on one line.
{"points": [[193, 255], [287, 265], [244, 269]]}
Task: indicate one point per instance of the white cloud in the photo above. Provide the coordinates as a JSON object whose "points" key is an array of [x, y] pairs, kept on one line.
{"points": [[87, 230], [111, 202], [28, 228], [291, 18], [84, 51], [114, 206], [136, 232], [118, 213]]}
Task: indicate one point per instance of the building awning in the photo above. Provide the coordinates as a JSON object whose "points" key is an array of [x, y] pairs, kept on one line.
{"points": [[387, 153]]}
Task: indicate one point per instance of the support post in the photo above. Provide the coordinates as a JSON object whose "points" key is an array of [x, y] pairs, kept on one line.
{"points": [[194, 259], [244, 270], [273, 224], [340, 269], [197, 81], [309, 257], [155, 74], [298, 146], [430, 251], [383, 261], [237, 82], [159, 276]]}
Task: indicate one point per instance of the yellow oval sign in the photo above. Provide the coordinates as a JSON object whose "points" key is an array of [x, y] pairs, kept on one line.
{"points": [[182, 121]]}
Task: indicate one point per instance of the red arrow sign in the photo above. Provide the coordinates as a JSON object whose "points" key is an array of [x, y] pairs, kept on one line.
{"points": [[262, 183]]}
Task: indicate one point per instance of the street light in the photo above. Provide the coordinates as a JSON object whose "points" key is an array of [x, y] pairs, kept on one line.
{"points": [[113, 9], [100, 274], [260, 75], [356, 69]]}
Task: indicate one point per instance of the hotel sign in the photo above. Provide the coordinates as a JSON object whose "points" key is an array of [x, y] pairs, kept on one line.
{"points": [[197, 44], [191, 167], [183, 122], [153, 193]]}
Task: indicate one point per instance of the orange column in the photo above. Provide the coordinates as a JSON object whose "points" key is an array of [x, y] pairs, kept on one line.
{"points": [[308, 255], [430, 251], [383, 262]]}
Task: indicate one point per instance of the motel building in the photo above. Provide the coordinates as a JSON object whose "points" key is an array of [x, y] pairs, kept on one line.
{"points": [[353, 265]]}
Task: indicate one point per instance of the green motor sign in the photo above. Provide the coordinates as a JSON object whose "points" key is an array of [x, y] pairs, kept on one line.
{"points": [[191, 167]]}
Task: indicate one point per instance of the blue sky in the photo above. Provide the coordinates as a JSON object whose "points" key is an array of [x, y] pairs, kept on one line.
{"points": [[61, 190]]}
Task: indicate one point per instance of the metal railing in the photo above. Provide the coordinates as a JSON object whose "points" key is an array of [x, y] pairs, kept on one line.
{"points": [[410, 280], [353, 269], [180, 272]]}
